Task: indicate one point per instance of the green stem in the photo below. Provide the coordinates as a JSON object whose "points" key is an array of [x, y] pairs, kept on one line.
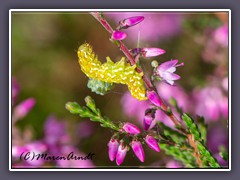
{"points": [[90, 112]]}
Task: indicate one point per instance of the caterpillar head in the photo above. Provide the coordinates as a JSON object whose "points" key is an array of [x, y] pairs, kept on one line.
{"points": [[85, 48]]}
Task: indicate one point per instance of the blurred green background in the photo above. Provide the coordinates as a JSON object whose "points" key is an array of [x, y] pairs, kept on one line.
{"points": [[44, 62]]}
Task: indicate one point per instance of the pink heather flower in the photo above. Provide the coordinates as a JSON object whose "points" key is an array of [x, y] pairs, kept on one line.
{"points": [[148, 118], [217, 136], [147, 52], [113, 148], [135, 109], [173, 164], [152, 52], [121, 154], [129, 22], [131, 128], [154, 98], [211, 103], [152, 143], [38, 147], [216, 46], [221, 35], [138, 150], [24, 107], [17, 151], [170, 25], [224, 107], [147, 121], [177, 92], [118, 35], [166, 71], [55, 132]]}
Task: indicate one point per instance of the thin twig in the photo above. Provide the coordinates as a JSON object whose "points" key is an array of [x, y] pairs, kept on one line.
{"points": [[122, 47], [194, 146], [126, 52]]}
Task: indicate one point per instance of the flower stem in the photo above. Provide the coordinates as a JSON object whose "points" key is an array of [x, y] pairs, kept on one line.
{"points": [[122, 46], [196, 152], [126, 52]]}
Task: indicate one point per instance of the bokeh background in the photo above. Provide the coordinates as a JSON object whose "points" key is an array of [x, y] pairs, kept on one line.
{"points": [[45, 68]]}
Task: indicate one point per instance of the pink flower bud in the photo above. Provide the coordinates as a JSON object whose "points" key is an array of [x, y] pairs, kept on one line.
{"points": [[152, 143], [147, 121], [113, 149], [154, 98], [129, 22], [148, 118], [152, 52], [131, 128], [147, 52], [121, 153], [118, 35], [24, 107], [138, 150]]}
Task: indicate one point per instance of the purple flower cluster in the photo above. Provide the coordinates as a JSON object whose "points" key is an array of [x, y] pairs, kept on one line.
{"points": [[117, 149], [216, 46], [164, 71], [119, 35], [170, 25], [124, 24], [136, 109], [56, 140], [211, 103]]}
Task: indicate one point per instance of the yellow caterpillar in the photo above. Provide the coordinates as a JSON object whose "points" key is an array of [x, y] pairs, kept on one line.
{"points": [[119, 72]]}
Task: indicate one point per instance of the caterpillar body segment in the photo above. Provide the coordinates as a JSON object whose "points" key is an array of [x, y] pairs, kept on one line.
{"points": [[119, 72]]}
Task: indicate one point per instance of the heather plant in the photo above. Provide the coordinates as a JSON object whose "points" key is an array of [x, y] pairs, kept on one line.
{"points": [[164, 104], [185, 140]]}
